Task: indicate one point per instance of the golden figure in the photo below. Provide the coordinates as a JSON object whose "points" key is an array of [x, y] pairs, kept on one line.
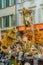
{"points": [[26, 15]]}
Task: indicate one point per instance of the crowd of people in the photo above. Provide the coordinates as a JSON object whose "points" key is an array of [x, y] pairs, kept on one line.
{"points": [[18, 51], [9, 52]]}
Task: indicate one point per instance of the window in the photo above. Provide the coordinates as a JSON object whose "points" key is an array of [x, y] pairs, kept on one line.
{"points": [[41, 15], [0, 4], [20, 20], [6, 21], [7, 3], [4, 3], [14, 2], [12, 20], [0, 22]]}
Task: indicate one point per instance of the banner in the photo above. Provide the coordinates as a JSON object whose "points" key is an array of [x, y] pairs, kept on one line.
{"points": [[22, 28]]}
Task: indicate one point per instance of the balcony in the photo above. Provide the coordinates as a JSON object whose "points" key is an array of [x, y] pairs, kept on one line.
{"points": [[7, 11]]}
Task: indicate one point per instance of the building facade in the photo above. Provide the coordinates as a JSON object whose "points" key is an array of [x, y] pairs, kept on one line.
{"points": [[7, 13], [10, 15], [35, 5]]}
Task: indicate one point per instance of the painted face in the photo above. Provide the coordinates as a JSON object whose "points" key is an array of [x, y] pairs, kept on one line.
{"points": [[25, 38]]}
